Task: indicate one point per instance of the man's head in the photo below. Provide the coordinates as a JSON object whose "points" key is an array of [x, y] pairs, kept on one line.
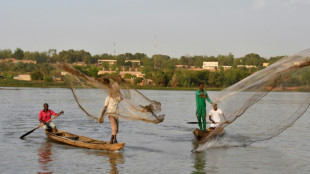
{"points": [[45, 106], [106, 81], [201, 86], [215, 106]]}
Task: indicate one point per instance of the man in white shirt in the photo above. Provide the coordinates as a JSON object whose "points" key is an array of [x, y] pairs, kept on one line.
{"points": [[111, 104], [215, 116]]}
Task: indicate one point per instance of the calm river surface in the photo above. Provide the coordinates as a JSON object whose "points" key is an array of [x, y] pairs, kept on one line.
{"points": [[161, 148]]}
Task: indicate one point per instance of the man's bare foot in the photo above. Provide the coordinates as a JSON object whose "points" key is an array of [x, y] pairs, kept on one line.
{"points": [[112, 138]]}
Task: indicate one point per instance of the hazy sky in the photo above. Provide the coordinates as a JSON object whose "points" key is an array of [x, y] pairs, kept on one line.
{"points": [[193, 27]]}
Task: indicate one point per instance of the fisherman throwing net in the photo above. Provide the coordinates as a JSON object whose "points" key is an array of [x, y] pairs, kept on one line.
{"points": [[90, 94], [264, 104]]}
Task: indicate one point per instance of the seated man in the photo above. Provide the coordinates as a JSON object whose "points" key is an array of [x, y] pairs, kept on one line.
{"points": [[45, 115], [215, 116]]}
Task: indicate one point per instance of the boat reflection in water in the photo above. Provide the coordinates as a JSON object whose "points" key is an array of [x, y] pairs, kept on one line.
{"points": [[45, 156], [114, 159]]}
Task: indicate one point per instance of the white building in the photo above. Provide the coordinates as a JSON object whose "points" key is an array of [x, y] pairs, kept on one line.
{"points": [[25, 77], [247, 66], [111, 62], [134, 62], [210, 65], [265, 64], [226, 67], [123, 73], [63, 73]]}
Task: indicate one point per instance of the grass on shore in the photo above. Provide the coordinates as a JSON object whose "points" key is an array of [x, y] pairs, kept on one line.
{"points": [[41, 84], [21, 83]]}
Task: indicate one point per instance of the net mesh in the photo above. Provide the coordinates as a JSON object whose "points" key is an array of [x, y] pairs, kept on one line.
{"points": [[269, 101], [90, 94]]}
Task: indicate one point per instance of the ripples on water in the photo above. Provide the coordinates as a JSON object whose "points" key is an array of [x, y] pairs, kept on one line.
{"points": [[162, 148]]}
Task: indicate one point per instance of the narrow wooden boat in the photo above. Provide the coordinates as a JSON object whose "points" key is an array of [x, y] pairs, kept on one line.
{"points": [[199, 134], [81, 141]]}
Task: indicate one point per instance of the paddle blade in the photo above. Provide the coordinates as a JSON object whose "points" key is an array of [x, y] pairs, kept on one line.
{"points": [[28, 133], [195, 122], [192, 122]]}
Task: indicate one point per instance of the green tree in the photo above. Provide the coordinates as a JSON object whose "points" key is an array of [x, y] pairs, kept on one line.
{"points": [[6, 53], [128, 76], [159, 78], [48, 79], [138, 80], [93, 71], [37, 75], [175, 82], [18, 54]]}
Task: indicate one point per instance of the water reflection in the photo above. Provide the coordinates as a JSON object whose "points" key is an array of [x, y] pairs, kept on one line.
{"points": [[45, 156], [114, 159], [198, 160], [199, 163]]}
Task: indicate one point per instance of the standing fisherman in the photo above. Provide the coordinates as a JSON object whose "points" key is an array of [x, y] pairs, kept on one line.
{"points": [[111, 104], [201, 97]]}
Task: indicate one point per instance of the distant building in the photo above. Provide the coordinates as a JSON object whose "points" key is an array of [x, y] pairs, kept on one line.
{"points": [[134, 62], [146, 82], [193, 68], [111, 62], [27, 61], [133, 72], [247, 66], [25, 77], [79, 63], [265, 64], [181, 66], [210, 65], [63, 73], [56, 78], [13, 60], [226, 67]]}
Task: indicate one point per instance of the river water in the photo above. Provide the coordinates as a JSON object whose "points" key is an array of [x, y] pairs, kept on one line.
{"points": [[161, 148]]}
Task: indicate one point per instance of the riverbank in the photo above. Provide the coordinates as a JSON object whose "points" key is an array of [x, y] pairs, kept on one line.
{"points": [[41, 84]]}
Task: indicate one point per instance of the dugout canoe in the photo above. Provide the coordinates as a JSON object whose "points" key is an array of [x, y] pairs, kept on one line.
{"points": [[199, 134], [81, 141]]}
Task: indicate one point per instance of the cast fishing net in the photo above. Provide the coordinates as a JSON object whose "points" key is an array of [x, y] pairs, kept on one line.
{"points": [[264, 104], [90, 94]]}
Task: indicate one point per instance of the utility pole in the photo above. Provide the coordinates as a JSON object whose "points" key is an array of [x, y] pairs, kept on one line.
{"points": [[155, 51], [155, 44], [114, 50]]}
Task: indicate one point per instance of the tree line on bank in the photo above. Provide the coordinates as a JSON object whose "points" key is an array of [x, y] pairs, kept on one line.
{"points": [[161, 69]]}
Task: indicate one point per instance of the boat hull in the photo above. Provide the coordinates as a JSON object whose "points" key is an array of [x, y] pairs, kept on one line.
{"points": [[81, 141], [199, 134]]}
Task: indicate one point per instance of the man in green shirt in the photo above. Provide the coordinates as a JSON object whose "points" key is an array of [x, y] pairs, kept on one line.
{"points": [[201, 97]]}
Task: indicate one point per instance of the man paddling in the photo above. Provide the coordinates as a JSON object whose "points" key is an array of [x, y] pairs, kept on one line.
{"points": [[201, 97], [111, 104], [45, 115], [215, 116]]}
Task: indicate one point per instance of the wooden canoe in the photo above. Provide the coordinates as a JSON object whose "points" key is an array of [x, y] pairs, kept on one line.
{"points": [[81, 141], [199, 134]]}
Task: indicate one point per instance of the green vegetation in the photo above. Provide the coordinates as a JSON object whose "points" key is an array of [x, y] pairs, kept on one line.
{"points": [[160, 71], [21, 83]]}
